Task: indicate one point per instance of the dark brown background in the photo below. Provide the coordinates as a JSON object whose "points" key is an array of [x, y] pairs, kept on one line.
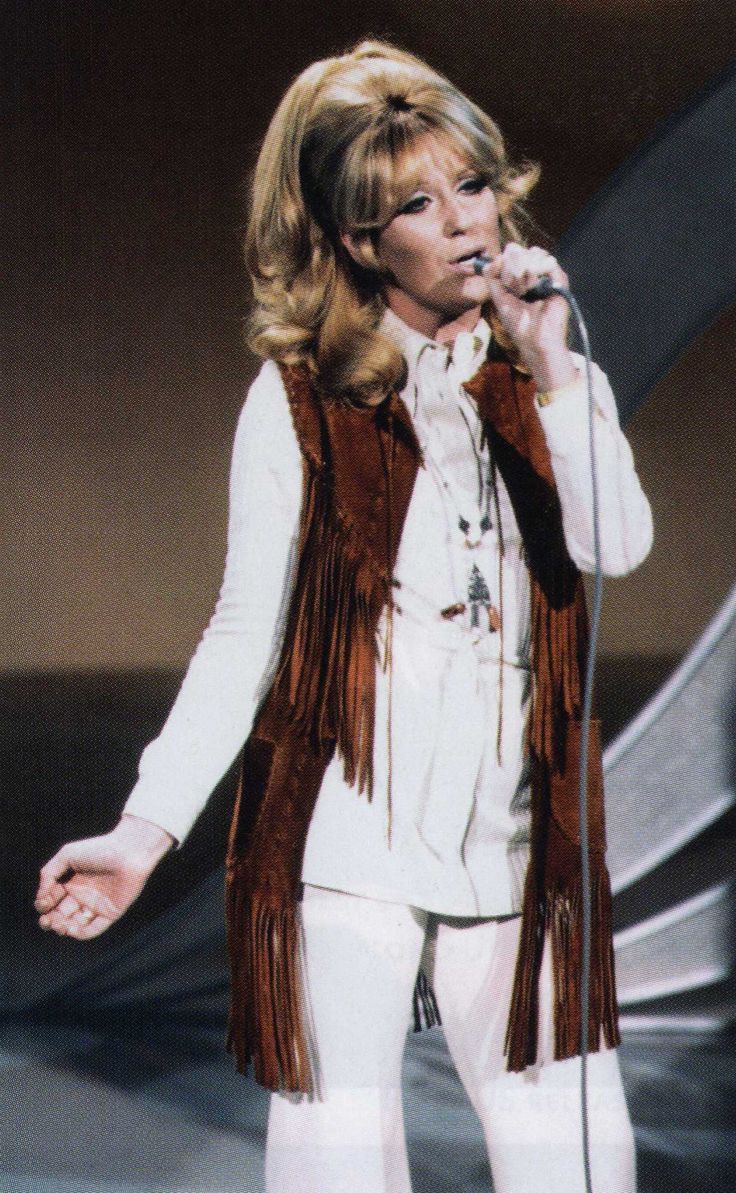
{"points": [[130, 130]]}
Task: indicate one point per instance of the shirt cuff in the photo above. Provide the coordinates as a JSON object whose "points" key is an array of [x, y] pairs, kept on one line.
{"points": [[565, 417], [547, 397], [148, 803]]}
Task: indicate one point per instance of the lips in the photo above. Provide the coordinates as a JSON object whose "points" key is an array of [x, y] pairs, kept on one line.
{"points": [[468, 256]]}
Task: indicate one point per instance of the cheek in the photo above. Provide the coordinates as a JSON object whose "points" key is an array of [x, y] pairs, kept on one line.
{"points": [[493, 220], [408, 255]]}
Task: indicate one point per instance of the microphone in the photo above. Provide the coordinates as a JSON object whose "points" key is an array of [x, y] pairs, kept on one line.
{"points": [[544, 288]]}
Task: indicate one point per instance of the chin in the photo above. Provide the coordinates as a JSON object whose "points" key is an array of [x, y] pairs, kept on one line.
{"points": [[466, 301]]}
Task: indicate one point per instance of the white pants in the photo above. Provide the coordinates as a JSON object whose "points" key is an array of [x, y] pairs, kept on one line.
{"points": [[361, 960]]}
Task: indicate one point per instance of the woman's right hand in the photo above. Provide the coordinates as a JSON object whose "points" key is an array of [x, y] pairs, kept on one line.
{"points": [[89, 884]]}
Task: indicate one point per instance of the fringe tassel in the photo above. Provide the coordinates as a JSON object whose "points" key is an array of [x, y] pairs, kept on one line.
{"points": [[328, 667], [556, 640], [559, 915], [426, 1011], [265, 1023], [565, 924], [521, 1031]]}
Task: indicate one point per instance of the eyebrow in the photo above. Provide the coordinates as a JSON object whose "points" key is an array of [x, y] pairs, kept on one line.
{"points": [[417, 182]]}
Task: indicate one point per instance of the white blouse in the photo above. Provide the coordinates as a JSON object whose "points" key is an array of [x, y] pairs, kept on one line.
{"points": [[449, 724]]}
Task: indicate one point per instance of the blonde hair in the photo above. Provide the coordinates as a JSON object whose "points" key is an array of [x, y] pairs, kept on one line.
{"points": [[338, 157]]}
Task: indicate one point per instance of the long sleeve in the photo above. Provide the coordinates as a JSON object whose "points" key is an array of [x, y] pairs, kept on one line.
{"points": [[234, 662], [625, 514]]}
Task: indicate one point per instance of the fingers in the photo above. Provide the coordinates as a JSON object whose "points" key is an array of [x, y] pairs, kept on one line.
{"points": [[50, 890], [67, 912], [59, 910], [74, 918], [538, 329], [517, 268], [82, 924], [93, 927], [91, 856]]}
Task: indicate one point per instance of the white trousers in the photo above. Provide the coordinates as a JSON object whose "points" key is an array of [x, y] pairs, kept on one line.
{"points": [[361, 960]]}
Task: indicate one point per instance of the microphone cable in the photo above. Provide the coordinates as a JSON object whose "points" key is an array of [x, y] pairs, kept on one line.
{"points": [[545, 288]]}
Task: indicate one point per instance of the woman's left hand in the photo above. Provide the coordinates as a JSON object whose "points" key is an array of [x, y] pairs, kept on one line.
{"points": [[539, 329]]}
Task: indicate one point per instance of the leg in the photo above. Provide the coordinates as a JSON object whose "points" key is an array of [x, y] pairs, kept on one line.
{"points": [[531, 1120], [361, 959]]}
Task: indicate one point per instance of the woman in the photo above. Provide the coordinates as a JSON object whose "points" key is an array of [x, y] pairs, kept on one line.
{"points": [[399, 637]]}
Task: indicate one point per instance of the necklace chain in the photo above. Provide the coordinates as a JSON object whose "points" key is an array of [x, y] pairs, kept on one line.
{"points": [[478, 591]]}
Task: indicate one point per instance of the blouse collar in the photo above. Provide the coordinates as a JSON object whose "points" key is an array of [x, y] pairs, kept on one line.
{"points": [[463, 357]]}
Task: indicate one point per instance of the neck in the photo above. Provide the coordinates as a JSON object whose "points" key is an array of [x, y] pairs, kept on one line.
{"points": [[432, 324]]}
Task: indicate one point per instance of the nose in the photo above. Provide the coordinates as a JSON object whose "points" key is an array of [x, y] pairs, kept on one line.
{"points": [[457, 216]]}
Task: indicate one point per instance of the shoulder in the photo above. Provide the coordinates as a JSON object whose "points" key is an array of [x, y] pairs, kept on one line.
{"points": [[265, 427], [265, 411], [282, 403], [266, 400]]}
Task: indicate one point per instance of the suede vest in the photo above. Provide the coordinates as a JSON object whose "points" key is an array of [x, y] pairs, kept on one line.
{"points": [[359, 467]]}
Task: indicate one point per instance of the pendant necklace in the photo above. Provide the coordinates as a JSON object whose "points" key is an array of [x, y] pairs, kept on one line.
{"points": [[473, 528]]}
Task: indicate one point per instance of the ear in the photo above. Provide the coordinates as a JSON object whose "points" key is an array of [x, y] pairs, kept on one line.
{"points": [[351, 244], [364, 251]]}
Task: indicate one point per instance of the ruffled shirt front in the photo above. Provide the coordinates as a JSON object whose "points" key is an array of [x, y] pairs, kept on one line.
{"points": [[447, 828]]}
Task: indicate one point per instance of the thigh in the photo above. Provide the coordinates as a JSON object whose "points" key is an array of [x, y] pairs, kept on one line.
{"points": [[531, 1120], [360, 960], [472, 969], [533, 1127]]}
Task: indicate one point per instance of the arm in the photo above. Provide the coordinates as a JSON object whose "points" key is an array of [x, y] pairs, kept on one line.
{"points": [[234, 662], [539, 331], [89, 884], [625, 515]]}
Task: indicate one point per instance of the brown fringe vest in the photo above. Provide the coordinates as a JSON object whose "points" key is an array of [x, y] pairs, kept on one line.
{"points": [[359, 471]]}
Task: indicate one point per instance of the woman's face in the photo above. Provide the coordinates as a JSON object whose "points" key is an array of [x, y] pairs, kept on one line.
{"points": [[451, 216]]}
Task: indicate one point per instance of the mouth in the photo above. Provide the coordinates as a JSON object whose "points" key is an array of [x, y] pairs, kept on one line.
{"points": [[468, 256], [467, 265]]}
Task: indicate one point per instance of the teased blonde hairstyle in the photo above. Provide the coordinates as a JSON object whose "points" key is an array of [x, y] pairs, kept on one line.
{"points": [[339, 156]]}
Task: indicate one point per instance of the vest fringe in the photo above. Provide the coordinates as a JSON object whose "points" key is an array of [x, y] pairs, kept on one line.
{"points": [[556, 643], [329, 663], [265, 1024], [520, 1045], [565, 921], [556, 915]]}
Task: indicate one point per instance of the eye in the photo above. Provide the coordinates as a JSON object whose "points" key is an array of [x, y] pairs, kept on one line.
{"points": [[416, 203], [473, 185]]}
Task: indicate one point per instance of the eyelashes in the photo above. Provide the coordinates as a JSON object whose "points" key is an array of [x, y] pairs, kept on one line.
{"points": [[469, 186], [415, 204], [475, 184]]}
